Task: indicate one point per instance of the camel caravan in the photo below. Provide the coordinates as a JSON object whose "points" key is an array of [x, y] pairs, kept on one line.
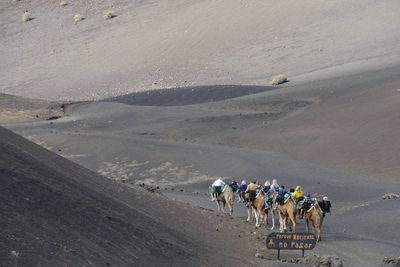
{"points": [[271, 199]]}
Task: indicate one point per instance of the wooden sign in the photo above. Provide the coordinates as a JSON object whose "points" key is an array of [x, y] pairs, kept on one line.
{"points": [[297, 241]]}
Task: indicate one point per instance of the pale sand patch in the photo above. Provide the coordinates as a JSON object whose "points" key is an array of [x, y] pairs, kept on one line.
{"points": [[165, 174], [120, 169]]}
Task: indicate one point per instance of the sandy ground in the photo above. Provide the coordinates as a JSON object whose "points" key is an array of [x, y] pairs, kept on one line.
{"points": [[56, 213], [18, 109], [325, 136], [163, 44], [207, 111]]}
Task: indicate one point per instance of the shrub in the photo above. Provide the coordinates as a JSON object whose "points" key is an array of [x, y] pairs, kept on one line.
{"points": [[78, 17], [26, 16], [108, 15], [279, 79]]}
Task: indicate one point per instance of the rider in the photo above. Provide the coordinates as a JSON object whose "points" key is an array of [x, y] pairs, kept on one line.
{"points": [[267, 200], [282, 192], [217, 187], [242, 190], [234, 185], [274, 185], [298, 194], [325, 206], [251, 186], [250, 192]]}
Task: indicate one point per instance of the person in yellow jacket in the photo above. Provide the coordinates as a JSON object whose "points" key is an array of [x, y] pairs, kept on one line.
{"points": [[298, 197], [298, 194]]}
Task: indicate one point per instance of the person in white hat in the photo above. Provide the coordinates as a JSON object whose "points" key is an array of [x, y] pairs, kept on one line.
{"points": [[325, 206]]}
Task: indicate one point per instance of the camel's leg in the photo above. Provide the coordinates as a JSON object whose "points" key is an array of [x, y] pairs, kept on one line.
{"points": [[218, 206], [318, 230], [292, 217], [265, 217], [257, 216], [308, 225], [317, 223], [273, 219], [230, 207], [281, 223], [249, 214]]}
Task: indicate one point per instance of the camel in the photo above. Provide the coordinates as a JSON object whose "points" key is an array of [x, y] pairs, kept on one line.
{"points": [[315, 216], [226, 197], [260, 213], [287, 211]]}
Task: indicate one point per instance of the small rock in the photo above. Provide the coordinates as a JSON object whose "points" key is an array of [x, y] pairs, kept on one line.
{"points": [[259, 255], [15, 254], [390, 196], [319, 261], [389, 261]]}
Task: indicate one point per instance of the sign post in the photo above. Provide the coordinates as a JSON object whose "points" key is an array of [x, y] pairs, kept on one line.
{"points": [[291, 241]]}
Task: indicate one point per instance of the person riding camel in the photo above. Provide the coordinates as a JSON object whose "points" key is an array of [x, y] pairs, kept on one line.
{"points": [[216, 187], [298, 194], [242, 190], [234, 185], [250, 192], [282, 194], [274, 185], [251, 186], [305, 204], [267, 191]]}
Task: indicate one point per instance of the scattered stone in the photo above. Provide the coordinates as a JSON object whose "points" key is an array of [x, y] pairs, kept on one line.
{"points": [[15, 254], [390, 261], [319, 261], [259, 255], [390, 196]]}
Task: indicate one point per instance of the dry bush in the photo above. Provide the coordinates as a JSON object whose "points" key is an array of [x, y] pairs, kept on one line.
{"points": [[26, 16], [108, 15], [78, 17], [279, 79]]}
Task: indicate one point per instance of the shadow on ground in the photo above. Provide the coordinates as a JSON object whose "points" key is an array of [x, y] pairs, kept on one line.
{"points": [[188, 95]]}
